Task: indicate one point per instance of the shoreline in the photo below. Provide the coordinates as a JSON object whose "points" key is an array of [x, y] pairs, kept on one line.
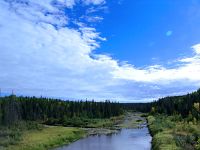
{"points": [[132, 123], [52, 137], [168, 132], [48, 138]]}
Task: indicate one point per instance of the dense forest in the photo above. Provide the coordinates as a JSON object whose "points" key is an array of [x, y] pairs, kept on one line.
{"points": [[53, 111], [186, 105], [174, 122], [140, 107]]}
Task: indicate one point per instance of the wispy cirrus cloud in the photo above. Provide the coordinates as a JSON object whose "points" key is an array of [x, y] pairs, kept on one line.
{"points": [[42, 54]]}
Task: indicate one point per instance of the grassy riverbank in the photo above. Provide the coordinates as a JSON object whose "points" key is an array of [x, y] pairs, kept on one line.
{"points": [[132, 120], [35, 136], [48, 137], [174, 133]]}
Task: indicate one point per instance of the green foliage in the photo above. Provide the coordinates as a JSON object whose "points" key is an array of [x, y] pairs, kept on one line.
{"points": [[138, 107], [48, 137], [10, 135], [197, 146], [21, 117], [175, 124], [174, 121], [187, 105], [173, 132], [53, 111], [15, 135], [197, 106]]}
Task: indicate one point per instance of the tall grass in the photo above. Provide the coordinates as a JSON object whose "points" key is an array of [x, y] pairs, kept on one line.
{"points": [[34, 136], [173, 132], [47, 138], [11, 135]]}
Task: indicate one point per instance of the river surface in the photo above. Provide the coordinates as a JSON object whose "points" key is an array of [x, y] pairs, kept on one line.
{"points": [[126, 139]]}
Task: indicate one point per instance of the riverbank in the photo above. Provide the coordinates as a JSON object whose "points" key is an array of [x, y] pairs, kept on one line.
{"points": [[131, 133], [133, 120], [173, 132], [125, 139], [32, 136], [128, 121], [46, 138]]}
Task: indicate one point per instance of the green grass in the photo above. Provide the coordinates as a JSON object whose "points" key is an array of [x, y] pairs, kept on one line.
{"points": [[133, 120], [46, 138], [10, 135], [33, 136], [105, 123], [174, 133], [86, 122]]}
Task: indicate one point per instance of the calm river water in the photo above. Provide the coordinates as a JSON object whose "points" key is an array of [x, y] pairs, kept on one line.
{"points": [[126, 139]]}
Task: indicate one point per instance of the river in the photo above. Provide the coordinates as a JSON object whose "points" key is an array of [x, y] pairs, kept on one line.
{"points": [[126, 139]]}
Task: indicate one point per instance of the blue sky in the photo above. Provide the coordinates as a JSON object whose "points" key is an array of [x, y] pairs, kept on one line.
{"points": [[122, 50], [139, 29]]}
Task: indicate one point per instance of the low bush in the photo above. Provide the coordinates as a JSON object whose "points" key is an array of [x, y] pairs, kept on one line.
{"points": [[173, 132]]}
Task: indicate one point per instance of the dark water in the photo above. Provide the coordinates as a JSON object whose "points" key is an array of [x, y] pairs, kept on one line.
{"points": [[126, 139]]}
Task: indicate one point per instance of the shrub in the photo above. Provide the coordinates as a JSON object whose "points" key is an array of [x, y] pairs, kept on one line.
{"points": [[197, 146]]}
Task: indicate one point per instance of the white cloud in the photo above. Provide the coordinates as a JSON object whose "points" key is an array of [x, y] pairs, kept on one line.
{"points": [[36, 58], [68, 3], [196, 49], [188, 70], [94, 19], [94, 2]]}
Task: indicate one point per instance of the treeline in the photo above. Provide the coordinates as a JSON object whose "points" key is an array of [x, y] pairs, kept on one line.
{"points": [[186, 105], [140, 107], [175, 122], [53, 111]]}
